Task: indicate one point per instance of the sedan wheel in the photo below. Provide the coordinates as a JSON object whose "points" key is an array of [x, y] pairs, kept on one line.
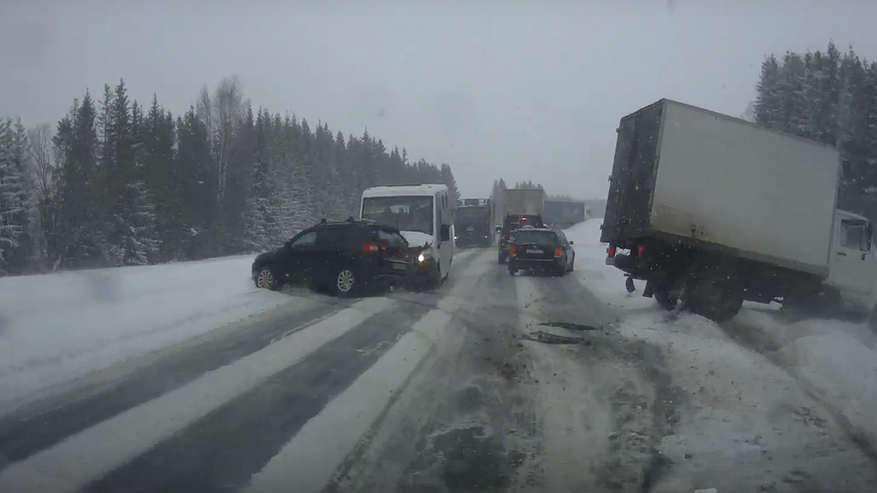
{"points": [[265, 279], [345, 282]]}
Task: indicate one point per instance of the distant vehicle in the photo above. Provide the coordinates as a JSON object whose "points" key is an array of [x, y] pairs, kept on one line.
{"points": [[702, 208], [510, 224], [472, 223], [422, 213], [564, 213], [542, 250], [517, 206], [345, 257]]}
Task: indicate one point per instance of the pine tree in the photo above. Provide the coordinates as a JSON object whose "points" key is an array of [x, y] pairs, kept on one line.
{"points": [[448, 179], [261, 219], [163, 180], [12, 207], [198, 187], [768, 104]]}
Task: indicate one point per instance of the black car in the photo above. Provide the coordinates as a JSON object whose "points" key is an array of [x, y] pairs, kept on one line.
{"points": [[511, 223], [541, 249], [345, 257]]}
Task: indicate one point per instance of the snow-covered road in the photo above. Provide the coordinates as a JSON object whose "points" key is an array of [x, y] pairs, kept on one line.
{"points": [[492, 383]]}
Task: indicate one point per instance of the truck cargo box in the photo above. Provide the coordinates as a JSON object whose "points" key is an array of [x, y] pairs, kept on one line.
{"points": [[523, 201], [687, 174]]}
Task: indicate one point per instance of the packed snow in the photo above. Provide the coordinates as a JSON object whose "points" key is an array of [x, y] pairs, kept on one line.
{"points": [[833, 361], [57, 327], [605, 281]]}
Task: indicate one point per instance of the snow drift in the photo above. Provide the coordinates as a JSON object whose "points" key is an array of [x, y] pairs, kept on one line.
{"points": [[835, 361]]}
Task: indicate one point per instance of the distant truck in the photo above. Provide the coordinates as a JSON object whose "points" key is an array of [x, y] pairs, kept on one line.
{"points": [[564, 213], [472, 223], [711, 210], [517, 207]]}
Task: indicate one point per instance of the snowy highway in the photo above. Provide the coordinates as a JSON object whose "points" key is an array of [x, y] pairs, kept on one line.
{"points": [[491, 383]]}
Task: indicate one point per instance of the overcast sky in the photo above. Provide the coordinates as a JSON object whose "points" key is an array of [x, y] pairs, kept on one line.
{"points": [[523, 90]]}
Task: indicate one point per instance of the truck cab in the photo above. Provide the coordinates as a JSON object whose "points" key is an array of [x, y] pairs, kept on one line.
{"points": [[852, 277]]}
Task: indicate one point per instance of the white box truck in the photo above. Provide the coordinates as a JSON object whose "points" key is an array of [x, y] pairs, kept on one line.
{"points": [[712, 210]]}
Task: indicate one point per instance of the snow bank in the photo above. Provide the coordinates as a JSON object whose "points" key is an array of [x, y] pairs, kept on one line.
{"points": [[832, 361], [605, 281], [836, 360], [57, 327]]}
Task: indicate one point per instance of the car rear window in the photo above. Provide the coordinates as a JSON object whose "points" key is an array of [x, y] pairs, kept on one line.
{"points": [[536, 237]]}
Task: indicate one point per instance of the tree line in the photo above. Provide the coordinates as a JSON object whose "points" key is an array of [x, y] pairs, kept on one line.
{"points": [[500, 185], [116, 183], [830, 97]]}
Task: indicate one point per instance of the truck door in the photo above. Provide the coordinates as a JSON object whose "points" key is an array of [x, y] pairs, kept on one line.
{"points": [[852, 265]]}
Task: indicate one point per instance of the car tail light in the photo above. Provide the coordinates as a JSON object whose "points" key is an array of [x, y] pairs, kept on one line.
{"points": [[370, 247], [513, 250], [503, 236], [640, 249], [610, 252], [558, 252]]}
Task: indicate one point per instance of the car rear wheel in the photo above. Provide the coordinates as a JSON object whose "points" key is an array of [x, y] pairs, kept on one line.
{"points": [[345, 282], [265, 279]]}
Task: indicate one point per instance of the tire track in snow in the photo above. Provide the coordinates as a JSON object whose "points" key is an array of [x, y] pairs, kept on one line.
{"points": [[639, 398], [96, 451], [220, 452], [27, 432]]}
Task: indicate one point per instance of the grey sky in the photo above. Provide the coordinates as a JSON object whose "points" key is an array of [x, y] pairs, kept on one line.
{"points": [[495, 88]]}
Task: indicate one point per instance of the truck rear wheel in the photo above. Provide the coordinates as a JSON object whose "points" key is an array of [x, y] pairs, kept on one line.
{"points": [[716, 293], [664, 298]]}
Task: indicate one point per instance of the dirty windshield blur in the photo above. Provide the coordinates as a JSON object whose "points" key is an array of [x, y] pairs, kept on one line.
{"points": [[404, 213], [411, 246]]}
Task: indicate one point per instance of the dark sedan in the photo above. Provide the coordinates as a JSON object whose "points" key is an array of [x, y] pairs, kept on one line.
{"points": [[540, 249]]}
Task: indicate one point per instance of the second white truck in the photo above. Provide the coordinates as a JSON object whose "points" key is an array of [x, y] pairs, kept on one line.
{"points": [[712, 210]]}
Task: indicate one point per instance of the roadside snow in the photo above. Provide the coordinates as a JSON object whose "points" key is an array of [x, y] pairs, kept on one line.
{"points": [[836, 360], [58, 327], [759, 388], [605, 281]]}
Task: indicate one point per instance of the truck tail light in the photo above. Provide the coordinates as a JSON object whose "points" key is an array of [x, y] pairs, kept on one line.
{"points": [[558, 252], [640, 249], [610, 252], [513, 250], [370, 247]]}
